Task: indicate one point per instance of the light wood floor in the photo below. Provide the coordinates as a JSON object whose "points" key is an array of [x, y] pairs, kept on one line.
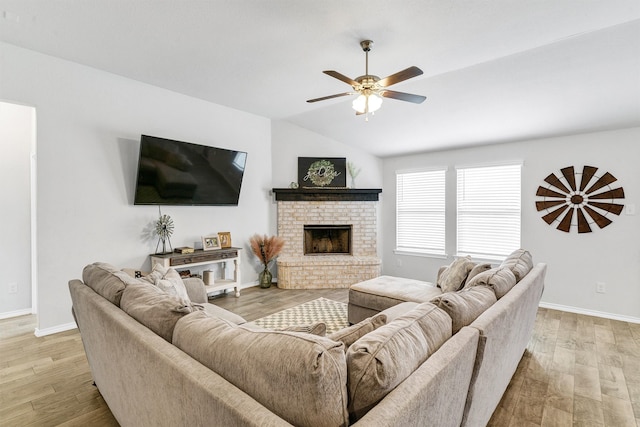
{"points": [[578, 370]]}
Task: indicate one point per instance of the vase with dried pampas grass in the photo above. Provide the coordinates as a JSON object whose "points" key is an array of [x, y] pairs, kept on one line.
{"points": [[266, 248]]}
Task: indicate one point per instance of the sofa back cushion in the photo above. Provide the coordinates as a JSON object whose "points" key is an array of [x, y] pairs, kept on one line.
{"points": [[520, 262], [382, 359], [107, 281], [154, 308], [466, 305], [500, 279], [299, 376], [352, 333]]}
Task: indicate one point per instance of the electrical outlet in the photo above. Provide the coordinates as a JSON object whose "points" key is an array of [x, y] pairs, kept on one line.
{"points": [[13, 288], [398, 262], [601, 287]]}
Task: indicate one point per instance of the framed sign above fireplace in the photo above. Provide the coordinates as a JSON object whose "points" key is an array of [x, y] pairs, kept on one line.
{"points": [[319, 172]]}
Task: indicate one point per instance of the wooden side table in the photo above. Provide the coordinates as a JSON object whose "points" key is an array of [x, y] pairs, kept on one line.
{"points": [[200, 257]]}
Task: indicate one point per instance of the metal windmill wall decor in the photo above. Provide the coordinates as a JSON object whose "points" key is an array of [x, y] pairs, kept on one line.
{"points": [[579, 200]]}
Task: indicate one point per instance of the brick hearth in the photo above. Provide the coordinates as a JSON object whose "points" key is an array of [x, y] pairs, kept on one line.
{"points": [[299, 271]]}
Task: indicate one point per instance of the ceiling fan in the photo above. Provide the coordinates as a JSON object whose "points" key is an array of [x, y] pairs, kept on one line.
{"points": [[371, 88]]}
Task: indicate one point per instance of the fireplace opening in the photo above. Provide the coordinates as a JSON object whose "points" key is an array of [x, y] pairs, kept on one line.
{"points": [[327, 239]]}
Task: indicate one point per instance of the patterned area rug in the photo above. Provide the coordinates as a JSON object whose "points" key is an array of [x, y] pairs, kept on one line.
{"points": [[332, 313]]}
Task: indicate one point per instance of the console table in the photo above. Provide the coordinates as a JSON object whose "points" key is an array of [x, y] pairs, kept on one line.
{"points": [[200, 257]]}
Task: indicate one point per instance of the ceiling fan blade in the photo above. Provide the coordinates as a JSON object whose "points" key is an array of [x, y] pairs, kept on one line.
{"points": [[330, 97], [342, 77], [416, 99], [400, 76]]}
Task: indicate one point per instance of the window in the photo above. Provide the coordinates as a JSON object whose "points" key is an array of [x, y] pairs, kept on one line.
{"points": [[488, 211], [420, 212]]}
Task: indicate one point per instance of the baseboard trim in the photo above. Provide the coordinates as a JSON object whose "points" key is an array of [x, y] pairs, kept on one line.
{"points": [[55, 329], [16, 313], [587, 312]]}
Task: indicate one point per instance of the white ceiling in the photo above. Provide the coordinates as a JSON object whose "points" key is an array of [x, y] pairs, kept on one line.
{"points": [[494, 70]]}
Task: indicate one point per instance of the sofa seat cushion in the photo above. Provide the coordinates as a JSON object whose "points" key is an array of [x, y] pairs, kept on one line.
{"points": [[154, 308], [466, 305], [383, 292], [382, 359], [452, 278], [520, 262], [298, 376], [500, 279], [107, 281], [352, 333]]}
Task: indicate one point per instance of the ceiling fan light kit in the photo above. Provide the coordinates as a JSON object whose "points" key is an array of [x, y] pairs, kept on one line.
{"points": [[370, 89]]}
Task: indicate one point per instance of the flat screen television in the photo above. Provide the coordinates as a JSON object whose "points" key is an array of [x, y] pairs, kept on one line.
{"points": [[181, 173]]}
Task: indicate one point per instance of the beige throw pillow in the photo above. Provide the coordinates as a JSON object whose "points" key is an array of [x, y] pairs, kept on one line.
{"points": [[300, 377], [479, 268], [352, 333], [382, 359], [154, 308], [452, 277], [168, 280], [466, 305], [500, 279]]}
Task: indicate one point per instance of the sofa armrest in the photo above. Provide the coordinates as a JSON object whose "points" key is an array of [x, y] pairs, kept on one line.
{"points": [[196, 290]]}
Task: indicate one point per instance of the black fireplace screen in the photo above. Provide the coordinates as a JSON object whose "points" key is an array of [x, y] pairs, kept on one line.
{"points": [[327, 239]]}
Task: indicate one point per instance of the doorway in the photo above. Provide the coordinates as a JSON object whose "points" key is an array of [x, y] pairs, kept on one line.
{"points": [[18, 290]]}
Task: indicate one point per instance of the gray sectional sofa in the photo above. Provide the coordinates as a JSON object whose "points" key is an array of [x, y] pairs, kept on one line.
{"points": [[504, 320], [160, 357]]}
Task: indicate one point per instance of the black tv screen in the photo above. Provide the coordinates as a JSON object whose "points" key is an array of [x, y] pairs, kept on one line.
{"points": [[181, 173]]}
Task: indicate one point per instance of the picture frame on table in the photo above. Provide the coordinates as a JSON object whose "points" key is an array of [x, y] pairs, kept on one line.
{"points": [[225, 239], [210, 243]]}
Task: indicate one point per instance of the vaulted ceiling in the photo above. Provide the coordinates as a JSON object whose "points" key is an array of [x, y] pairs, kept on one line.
{"points": [[494, 71]]}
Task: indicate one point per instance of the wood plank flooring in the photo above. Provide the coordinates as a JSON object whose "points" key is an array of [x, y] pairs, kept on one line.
{"points": [[577, 371]]}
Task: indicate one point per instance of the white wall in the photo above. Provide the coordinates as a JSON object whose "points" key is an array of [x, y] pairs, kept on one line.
{"points": [[290, 141], [88, 131], [16, 137], [575, 261]]}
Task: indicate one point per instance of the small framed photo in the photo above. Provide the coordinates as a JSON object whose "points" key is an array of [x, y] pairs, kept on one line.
{"points": [[210, 243], [225, 239]]}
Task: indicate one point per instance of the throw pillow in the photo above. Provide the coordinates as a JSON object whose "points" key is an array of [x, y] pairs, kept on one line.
{"points": [[466, 305], [352, 333], [520, 262], [319, 328], [154, 308], [452, 278], [300, 377], [107, 281], [382, 359], [168, 280], [500, 279], [477, 269]]}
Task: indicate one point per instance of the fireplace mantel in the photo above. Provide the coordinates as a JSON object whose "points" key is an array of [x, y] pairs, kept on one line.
{"points": [[327, 194]]}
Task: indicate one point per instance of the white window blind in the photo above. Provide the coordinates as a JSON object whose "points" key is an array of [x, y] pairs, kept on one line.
{"points": [[420, 212], [488, 211]]}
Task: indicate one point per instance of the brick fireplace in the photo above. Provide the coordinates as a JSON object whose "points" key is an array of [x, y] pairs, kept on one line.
{"points": [[330, 237]]}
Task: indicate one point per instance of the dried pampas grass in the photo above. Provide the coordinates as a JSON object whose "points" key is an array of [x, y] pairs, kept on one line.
{"points": [[266, 247]]}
